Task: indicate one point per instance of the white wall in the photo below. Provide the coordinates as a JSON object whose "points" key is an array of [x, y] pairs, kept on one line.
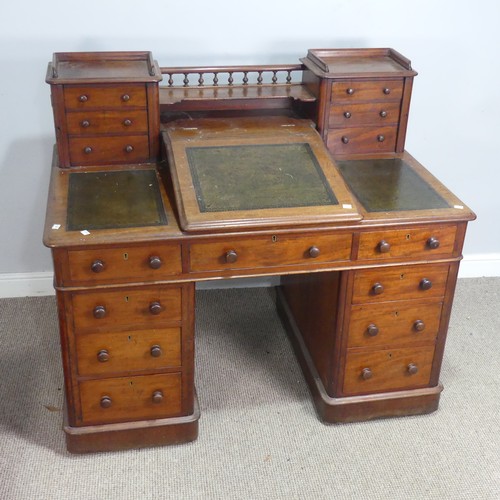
{"points": [[453, 44]]}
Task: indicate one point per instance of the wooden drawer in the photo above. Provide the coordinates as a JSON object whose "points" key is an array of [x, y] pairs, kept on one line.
{"points": [[107, 353], [400, 283], [347, 114], [419, 243], [125, 264], [108, 149], [104, 96], [372, 90], [362, 140], [130, 398], [374, 325], [107, 122], [388, 369], [132, 308], [269, 252]]}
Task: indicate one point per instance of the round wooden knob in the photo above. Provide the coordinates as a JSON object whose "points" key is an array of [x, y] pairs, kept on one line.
{"points": [[378, 288], [155, 308], [425, 284], [419, 325], [380, 138], [350, 91], [387, 91], [155, 351], [383, 114], [372, 330], [157, 397], [85, 123], [129, 148], [87, 150], [106, 402], [412, 369], [366, 374], [97, 266], [83, 98], [345, 139], [314, 252], [347, 114], [383, 246], [231, 256], [125, 97], [99, 312], [103, 356], [155, 262], [433, 243], [127, 122]]}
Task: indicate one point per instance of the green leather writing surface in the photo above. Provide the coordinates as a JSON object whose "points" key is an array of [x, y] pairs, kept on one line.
{"points": [[389, 185], [116, 199], [252, 177]]}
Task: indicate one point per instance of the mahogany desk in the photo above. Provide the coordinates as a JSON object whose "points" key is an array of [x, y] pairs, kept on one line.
{"points": [[154, 188]]}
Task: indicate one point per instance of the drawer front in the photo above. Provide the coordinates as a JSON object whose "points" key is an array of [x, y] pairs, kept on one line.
{"points": [[388, 369], [142, 263], [107, 122], [347, 114], [130, 398], [393, 323], [269, 252], [107, 353], [374, 90], [134, 308], [400, 283], [104, 96], [109, 149], [420, 243], [362, 140]]}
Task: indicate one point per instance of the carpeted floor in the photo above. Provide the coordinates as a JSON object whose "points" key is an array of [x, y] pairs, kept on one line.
{"points": [[259, 435]]}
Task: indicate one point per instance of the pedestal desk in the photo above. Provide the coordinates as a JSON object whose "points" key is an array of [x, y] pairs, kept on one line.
{"points": [[297, 171]]}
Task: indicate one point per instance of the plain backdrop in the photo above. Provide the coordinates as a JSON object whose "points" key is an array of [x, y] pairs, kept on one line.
{"points": [[454, 115]]}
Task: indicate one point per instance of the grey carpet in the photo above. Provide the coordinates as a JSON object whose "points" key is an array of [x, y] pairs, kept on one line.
{"points": [[259, 435]]}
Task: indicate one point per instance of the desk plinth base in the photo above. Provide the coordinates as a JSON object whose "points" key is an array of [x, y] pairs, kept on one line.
{"points": [[354, 408], [132, 435]]}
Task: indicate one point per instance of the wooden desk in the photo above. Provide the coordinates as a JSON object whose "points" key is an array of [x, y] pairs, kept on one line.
{"points": [[368, 255]]}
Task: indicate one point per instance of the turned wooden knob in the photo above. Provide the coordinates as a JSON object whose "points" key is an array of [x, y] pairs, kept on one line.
{"points": [[97, 266], [99, 312], [314, 252], [433, 243], [384, 246], [155, 351], [412, 369], [425, 284], [127, 122], [380, 138], [155, 308], [378, 288], [231, 257], [387, 91], [383, 114], [419, 325], [129, 148], [157, 397], [87, 150], [347, 114], [372, 330], [345, 139], [103, 356], [350, 91], [366, 374], [106, 402], [155, 262], [83, 98], [125, 97], [85, 123]]}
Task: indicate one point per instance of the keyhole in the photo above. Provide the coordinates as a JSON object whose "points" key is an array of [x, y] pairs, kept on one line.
{"points": [[274, 238], [125, 256], [401, 276], [408, 236], [126, 298]]}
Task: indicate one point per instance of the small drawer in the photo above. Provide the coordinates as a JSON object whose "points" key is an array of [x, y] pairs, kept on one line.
{"points": [[125, 264], [108, 150], [107, 122], [131, 398], [373, 325], [373, 90], [104, 96], [387, 370], [420, 243], [348, 114], [107, 353], [400, 283], [134, 308], [362, 140], [271, 251]]}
